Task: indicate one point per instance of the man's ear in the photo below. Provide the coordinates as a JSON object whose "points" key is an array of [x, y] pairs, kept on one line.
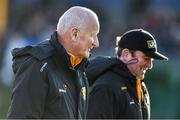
{"points": [[126, 55], [74, 33]]}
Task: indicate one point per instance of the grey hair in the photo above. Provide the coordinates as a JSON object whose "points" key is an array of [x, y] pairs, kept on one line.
{"points": [[75, 17]]}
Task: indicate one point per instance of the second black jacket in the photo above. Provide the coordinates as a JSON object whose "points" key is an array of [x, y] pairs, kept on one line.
{"points": [[46, 85], [113, 94]]}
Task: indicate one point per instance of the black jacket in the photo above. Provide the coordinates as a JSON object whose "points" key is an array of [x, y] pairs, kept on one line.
{"points": [[45, 85], [113, 94]]}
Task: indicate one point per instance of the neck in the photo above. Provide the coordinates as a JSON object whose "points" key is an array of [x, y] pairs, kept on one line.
{"points": [[74, 59], [65, 42]]}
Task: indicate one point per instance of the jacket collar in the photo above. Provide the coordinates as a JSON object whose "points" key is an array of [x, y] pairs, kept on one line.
{"points": [[131, 79], [121, 68]]}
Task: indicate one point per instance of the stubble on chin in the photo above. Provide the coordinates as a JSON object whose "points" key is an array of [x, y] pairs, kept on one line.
{"points": [[139, 74]]}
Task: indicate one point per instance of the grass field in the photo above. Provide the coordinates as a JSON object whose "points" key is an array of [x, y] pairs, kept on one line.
{"points": [[4, 100]]}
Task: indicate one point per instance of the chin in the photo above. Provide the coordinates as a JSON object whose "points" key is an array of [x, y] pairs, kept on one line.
{"points": [[84, 56], [87, 55], [142, 77]]}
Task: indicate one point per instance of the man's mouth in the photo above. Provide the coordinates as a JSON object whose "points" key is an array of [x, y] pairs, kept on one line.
{"points": [[141, 71], [89, 49], [144, 70]]}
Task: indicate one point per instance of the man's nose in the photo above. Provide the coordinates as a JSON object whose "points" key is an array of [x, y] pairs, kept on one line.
{"points": [[96, 43]]}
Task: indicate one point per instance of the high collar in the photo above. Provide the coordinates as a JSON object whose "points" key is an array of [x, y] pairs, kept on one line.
{"points": [[100, 65], [122, 69]]}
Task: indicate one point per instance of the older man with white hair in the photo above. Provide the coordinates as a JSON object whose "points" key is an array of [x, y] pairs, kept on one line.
{"points": [[49, 78]]}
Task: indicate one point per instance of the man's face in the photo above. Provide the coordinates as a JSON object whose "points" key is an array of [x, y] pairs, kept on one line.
{"points": [[142, 64], [87, 39]]}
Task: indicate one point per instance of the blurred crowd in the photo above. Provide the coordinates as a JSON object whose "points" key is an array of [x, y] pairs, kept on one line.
{"points": [[30, 22]]}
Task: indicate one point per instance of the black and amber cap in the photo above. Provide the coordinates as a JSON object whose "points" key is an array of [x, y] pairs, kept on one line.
{"points": [[139, 39]]}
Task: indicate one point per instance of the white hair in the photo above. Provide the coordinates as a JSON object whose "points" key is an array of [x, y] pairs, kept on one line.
{"points": [[75, 17]]}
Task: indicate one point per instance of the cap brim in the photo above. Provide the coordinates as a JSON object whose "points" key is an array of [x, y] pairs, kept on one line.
{"points": [[157, 56]]}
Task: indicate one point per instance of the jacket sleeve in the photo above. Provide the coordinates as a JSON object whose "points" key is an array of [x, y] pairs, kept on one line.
{"points": [[29, 92], [101, 103]]}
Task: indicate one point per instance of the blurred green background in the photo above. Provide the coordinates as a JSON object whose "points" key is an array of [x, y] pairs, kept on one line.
{"points": [[25, 22]]}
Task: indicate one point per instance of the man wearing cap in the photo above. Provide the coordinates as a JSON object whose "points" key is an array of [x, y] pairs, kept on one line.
{"points": [[118, 90]]}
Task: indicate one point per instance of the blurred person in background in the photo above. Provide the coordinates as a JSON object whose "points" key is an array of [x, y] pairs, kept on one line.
{"points": [[119, 90], [49, 77], [15, 40]]}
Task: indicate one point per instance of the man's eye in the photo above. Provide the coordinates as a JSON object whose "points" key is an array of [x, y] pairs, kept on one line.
{"points": [[147, 58]]}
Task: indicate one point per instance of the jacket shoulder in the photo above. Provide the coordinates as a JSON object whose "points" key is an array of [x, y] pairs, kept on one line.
{"points": [[112, 80], [29, 54], [40, 51]]}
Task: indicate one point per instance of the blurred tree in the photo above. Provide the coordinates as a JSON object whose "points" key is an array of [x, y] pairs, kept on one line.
{"points": [[3, 15]]}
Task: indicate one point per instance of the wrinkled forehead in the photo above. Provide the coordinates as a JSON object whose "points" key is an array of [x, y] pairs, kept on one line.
{"points": [[92, 25], [92, 18]]}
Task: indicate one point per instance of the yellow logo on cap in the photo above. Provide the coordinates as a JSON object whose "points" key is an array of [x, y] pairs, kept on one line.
{"points": [[151, 44]]}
